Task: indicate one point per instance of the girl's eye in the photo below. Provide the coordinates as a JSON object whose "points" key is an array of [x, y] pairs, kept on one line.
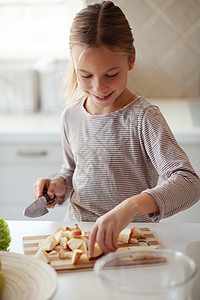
{"points": [[86, 76], [114, 75]]}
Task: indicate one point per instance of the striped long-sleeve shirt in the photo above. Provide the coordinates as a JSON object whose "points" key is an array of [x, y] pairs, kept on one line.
{"points": [[111, 157]]}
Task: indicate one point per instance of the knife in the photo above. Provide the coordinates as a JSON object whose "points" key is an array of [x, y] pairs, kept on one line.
{"points": [[38, 207]]}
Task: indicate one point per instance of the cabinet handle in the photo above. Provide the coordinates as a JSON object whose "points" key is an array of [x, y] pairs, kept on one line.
{"points": [[32, 153]]}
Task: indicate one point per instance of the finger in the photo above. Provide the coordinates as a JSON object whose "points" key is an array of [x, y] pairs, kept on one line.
{"points": [[115, 240], [38, 187], [52, 205], [100, 238], [92, 239], [108, 242], [51, 189]]}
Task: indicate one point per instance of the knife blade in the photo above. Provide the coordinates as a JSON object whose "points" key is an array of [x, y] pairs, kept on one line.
{"points": [[38, 207]]}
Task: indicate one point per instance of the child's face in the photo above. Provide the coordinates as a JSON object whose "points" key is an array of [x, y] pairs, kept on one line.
{"points": [[102, 75]]}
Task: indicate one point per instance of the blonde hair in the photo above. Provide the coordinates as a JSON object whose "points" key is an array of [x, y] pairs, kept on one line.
{"points": [[100, 25]]}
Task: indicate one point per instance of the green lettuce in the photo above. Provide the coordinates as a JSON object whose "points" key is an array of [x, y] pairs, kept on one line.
{"points": [[5, 238]]}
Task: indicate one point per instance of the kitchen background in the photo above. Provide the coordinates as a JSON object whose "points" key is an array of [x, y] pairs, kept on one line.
{"points": [[33, 59]]}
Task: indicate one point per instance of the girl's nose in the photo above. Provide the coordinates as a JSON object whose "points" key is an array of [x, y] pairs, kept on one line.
{"points": [[99, 85]]}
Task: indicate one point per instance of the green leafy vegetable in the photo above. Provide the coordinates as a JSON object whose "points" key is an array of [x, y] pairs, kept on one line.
{"points": [[5, 238]]}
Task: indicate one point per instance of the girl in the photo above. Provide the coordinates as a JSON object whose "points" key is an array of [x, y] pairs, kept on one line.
{"points": [[115, 143]]}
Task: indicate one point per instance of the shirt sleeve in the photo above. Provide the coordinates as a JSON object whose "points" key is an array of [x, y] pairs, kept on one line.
{"points": [[181, 186], [68, 165]]}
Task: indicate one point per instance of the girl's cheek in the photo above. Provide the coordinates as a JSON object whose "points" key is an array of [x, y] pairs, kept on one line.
{"points": [[82, 85], [82, 82]]}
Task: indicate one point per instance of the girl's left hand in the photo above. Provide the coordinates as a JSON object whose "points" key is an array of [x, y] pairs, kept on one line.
{"points": [[107, 227]]}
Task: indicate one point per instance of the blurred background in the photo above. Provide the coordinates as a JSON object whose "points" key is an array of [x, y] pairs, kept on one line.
{"points": [[34, 56]]}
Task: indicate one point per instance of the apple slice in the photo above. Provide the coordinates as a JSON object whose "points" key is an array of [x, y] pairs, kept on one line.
{"points": [[69, 254], [52, 237], [69, 228], [75, 232], [86, 240], [65, 233], [76, 256], [83, 247], [97, 251], [137, 232], [74, 243], [84, 259], [58, 236], [61, 253], [42, 255], [47, 244], [63, 242], [58, 229], [125, 235], [133, 241]]}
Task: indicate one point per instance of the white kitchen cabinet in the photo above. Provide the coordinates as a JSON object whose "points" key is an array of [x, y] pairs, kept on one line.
{"points": [[20, 166], [30, 147]]}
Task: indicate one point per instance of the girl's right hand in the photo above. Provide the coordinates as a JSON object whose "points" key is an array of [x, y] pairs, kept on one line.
{"points": [[55, 186]]}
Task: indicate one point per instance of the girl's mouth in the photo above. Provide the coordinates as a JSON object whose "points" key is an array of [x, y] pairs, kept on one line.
{"points": [[105, 98]]}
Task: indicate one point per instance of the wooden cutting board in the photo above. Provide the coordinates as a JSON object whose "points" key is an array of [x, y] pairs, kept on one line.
{"points": [[30, 244]]}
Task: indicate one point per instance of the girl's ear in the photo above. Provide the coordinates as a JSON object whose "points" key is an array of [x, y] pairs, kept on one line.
{"points": [[131, 62]]}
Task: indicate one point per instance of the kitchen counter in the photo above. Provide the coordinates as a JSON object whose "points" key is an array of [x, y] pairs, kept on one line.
{"points": [[30, 128], [81, 285]]}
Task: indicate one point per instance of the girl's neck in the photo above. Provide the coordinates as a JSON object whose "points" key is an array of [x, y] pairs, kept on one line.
{"points": [[123, 100]]}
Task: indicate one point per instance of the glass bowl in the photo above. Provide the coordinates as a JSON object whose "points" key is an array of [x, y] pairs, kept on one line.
{"points": [[146, 274]]}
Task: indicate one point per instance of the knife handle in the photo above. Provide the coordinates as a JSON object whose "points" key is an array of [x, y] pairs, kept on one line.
{"points": [[49, 200]]}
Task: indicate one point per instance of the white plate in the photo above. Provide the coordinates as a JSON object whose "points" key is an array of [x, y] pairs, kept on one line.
{"points": [[27, 278]]}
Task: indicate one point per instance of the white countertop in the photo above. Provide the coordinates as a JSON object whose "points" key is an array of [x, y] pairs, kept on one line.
{"points": [[30, 128], [38, 127], [81, 285]]}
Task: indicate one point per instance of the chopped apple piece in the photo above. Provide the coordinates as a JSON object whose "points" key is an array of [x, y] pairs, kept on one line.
{"points": [[52, 237], [137, 232], [133, 241], [76, 256], [84, 259], [74, 243], [63, 242], [69, 228], [125, 235], [97, 251], [86, 240], [83, 247], [69, 254], [42, 255], [58, 235], [62, 253], [47, 245], [65, 233], [58, 229], [76, 231]]}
